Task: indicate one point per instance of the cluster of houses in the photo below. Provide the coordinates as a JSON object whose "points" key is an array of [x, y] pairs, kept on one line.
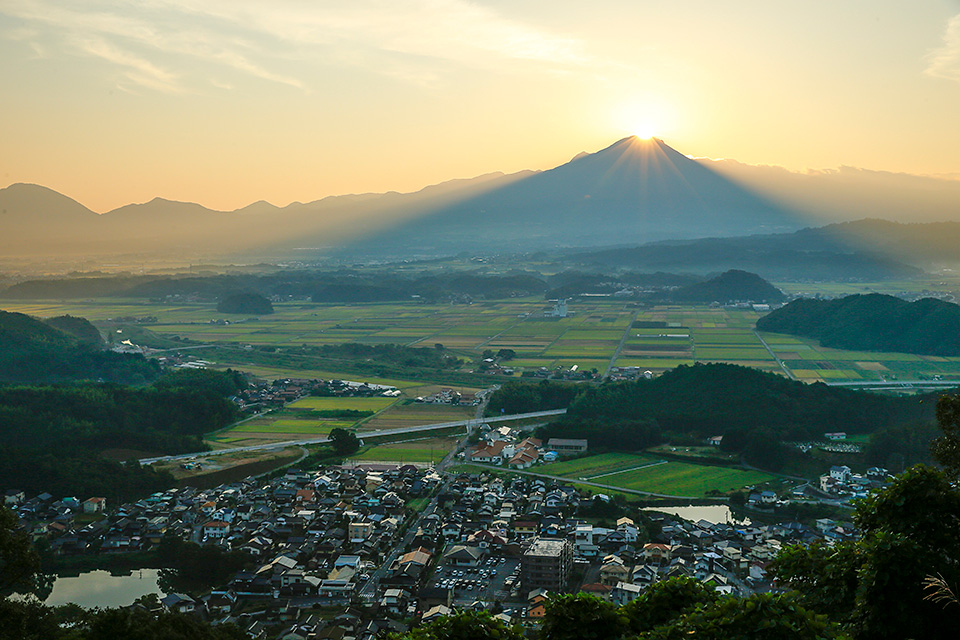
{"points": [[841, 482], [449, 396], [531, 529], [629, 373], [511, 447], [571, 373]]}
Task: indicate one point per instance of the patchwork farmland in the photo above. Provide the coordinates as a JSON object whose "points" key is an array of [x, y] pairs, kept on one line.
{"points": [[653, 338]]}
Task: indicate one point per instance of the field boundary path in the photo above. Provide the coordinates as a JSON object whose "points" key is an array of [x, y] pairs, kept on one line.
{"points": [[366, 434], [623, 341], [613, 473], [773, 355]]}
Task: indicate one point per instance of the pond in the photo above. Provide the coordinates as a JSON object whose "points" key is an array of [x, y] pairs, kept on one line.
{"points": [[102, 589], [715, 513]]}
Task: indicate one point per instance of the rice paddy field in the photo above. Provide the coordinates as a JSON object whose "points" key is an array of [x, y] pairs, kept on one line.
{"points": [[704, 334], [412, 415], [683, 479], [644, 472], [427, 450], [300, 420], [591, 466], [588, 338]]}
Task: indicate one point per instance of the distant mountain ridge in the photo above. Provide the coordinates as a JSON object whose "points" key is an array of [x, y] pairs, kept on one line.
{"points": [[872, 322], [38, 221], [856, 251], [632, 192]]}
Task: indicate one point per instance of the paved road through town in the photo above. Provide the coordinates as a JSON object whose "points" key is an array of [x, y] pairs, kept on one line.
{"points": [[370, 588]]}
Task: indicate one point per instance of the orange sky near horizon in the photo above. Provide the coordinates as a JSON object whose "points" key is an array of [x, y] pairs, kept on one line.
{"points": [[225, 103]]}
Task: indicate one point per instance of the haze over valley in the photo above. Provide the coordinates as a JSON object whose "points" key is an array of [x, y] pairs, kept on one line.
{"points": [[450, 319], [633, 192]]}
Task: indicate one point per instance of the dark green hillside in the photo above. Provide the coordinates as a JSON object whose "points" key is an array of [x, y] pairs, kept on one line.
{"points": [[246, 303], [34, 352], [872, 322], [79, 328], [51, 435], [754, 410], [731, 286], [721, 398]]}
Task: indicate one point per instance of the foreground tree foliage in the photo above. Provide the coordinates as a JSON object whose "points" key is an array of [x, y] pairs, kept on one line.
{"points": [[763, 616], [34, 621], [875, 585], [664, 601], [582, 616], [19, 561], [681, 608], [946, 448], [466, 625]]}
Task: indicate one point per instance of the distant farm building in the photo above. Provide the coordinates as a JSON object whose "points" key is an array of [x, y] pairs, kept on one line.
{"points": [[565, 446]]}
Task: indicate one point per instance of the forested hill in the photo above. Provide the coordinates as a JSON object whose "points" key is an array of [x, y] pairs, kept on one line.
{"points": [[32, 351], [249, 303], [872, 322], [712, 399], [52, 436], [753, 410], [79, 328], [732, 286]]}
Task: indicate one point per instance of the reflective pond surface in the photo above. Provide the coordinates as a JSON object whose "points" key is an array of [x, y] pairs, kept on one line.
{"points": [[101, 589], [715, 513]]}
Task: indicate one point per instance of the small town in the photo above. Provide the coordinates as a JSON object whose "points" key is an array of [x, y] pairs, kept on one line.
{"points": [[357, 550]]}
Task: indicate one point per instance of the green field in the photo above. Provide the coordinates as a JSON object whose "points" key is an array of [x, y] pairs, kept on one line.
{"points": [[299, 420], [411, 415], [644, 472], [683, 479], [595, 465], [357, 404]]}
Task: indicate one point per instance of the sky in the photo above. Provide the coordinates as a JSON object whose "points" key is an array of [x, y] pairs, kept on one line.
{"points": [[226, 102]]}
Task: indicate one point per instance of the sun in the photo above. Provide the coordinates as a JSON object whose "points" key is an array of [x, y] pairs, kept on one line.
{"points": [[644, 130], [645, 116]]}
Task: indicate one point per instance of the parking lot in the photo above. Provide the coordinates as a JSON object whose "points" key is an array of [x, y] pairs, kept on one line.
{"points": [[491, 580]]}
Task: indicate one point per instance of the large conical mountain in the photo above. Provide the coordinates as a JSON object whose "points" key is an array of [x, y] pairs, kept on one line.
{"points": [[631, 192]]}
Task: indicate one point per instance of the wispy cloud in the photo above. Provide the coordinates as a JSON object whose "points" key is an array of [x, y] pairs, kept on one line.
{"points": [[168, 44], [944, 62], [138, 70]]}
